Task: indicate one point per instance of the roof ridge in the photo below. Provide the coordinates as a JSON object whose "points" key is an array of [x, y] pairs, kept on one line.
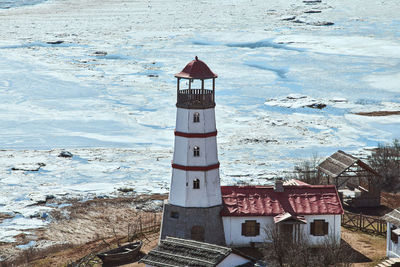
{"points": [[180, 256], [189, 241]]}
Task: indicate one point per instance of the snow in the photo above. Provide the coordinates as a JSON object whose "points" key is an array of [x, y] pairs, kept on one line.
{"points": [[107, 92]]}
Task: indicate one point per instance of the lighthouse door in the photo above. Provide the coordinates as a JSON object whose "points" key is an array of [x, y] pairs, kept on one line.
{"points": [[197, 233]]}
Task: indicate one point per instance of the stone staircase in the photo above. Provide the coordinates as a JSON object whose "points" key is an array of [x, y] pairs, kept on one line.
{"points": [[392, 262]]}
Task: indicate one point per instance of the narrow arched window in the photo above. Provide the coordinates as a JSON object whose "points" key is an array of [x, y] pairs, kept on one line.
{"points": [[196, 151], [196, 184], [196, 117]]}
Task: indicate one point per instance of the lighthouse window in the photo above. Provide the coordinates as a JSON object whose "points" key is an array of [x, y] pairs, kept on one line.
{"points": [[196, 117], [174, 214], [196, 151], [196, 184]]}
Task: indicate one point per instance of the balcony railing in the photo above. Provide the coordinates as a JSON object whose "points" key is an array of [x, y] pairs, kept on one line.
{"points": [[195, 98]]}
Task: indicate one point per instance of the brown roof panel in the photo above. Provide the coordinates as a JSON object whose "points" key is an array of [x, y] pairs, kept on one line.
{"points": [[196, 69], [339, 162]]}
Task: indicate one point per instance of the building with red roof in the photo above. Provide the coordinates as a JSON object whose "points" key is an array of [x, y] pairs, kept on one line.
{"points": [[299, 210]]}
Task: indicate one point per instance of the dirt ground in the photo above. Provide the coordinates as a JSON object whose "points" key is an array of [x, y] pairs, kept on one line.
{"points": [[368, 249]]}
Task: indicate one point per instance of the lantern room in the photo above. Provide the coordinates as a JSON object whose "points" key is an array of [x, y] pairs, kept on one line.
{"points": [[194, 88]]}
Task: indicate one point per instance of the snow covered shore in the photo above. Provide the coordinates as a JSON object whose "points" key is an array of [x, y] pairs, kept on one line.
{"points": [[96, 78]]}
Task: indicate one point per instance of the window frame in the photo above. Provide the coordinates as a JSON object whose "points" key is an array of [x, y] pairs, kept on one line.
{"points": [[196, 183], [196, 151], [250, 228], [319, 227], [174, 214], [196, 117]]}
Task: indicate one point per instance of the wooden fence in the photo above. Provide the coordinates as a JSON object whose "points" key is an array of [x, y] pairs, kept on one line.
{"points": [[369, 224], [145, 223]]}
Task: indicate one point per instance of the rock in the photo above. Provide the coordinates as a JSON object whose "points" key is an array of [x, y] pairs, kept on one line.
{"points": [[312, 1], [317, 105], [27, 167], [298, 21], [289, 18], [297, 101], [49, 197], [322, 23], [65, 154], [100, 53], [125, 189], [312, 11], [152, 75], [55, 42]]}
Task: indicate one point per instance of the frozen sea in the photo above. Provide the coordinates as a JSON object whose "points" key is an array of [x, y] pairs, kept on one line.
{"points": [[96, 78], [6, 4]]}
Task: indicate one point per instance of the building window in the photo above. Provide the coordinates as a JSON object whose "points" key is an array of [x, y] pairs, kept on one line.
{"points": [[196, 184], [393, 236], [250, 228], [319, 228], [196, 117], [196, 151], [175, 214]]}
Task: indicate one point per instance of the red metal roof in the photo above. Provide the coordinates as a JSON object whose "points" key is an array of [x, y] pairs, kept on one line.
{"points": [[296, 200], [196, 69]]}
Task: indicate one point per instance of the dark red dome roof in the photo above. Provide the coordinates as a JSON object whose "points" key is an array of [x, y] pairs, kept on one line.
{"points": [[196, 69]]}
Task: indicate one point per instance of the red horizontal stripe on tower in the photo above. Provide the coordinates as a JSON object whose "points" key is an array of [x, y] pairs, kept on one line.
{"points": [[195, 135], [195, 168]]}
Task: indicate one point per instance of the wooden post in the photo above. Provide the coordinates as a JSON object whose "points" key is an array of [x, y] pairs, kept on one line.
{"points": [[202, 91], [213, 89], [177, 89]]}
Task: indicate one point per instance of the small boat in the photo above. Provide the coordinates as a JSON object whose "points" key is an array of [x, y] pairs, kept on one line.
{"points": [[121, 254]]}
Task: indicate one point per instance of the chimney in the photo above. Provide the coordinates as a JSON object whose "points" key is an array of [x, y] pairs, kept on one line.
{"points": [[278, 185]]}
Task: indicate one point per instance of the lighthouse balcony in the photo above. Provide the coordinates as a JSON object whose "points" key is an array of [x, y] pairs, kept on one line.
{"points": [[195, 98]]}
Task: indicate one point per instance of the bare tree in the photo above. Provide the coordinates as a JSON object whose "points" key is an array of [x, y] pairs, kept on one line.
{"points": [[386, 160], [307, 171], [283, 251]]}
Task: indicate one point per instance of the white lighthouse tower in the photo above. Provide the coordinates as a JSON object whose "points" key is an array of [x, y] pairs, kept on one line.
{"points": [[195, 202]]}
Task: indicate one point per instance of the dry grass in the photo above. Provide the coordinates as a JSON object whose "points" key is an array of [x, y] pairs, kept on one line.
{"points": [[390, 200], [80, 229]]}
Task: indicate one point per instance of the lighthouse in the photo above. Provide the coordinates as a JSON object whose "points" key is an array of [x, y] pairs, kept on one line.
{"points": [[194, 205]]}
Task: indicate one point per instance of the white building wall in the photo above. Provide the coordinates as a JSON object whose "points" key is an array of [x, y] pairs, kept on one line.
{"points": [[233, 260], [233, 229], [392, 249], [183, 194], [184, 120], [183, 151], [333, 230]]}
